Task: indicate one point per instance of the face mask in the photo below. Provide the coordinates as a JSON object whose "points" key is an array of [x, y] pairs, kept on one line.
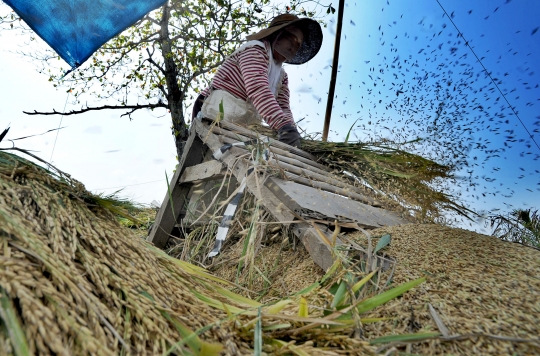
{"points": [[287, 44]]}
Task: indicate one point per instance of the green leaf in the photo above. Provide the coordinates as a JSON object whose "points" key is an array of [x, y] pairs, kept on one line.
{"points": [[403, 338], [303, 308], [361, 283], [145, 294], [331, 270], [349, 133], [373, 302], [12, 325], [308, 289], [383, 242], [276, 308], [276, 327], [191, 339], [236, 297], [340, 295], [221, 111], [257, 347]]}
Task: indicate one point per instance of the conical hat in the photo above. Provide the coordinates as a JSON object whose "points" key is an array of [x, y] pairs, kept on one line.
{"points": [[310, 28]]}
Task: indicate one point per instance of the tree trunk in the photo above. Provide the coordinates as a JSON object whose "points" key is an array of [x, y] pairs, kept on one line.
{"points": [[175, 97]]}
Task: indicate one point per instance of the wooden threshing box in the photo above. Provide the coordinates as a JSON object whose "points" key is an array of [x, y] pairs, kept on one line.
{"points": [[291, 186]]}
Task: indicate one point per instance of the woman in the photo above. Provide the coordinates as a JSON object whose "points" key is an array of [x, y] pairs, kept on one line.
{"points": [[252, 83]]}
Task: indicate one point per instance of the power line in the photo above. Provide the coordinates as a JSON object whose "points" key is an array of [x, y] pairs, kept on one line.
{"points": [[489, 75], [60, 124]]}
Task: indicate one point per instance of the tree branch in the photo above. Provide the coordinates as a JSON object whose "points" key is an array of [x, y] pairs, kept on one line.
{"points": [[151, 60], [133, 108]]}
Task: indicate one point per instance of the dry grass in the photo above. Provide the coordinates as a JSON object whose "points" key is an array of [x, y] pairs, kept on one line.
{"points": [[284, 268]]}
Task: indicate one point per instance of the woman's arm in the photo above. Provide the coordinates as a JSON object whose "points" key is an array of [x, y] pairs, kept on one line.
{"points": [[253, 63], [283, 99]]}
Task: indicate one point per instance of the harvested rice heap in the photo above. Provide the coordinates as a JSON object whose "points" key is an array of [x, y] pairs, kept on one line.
{"points": [[486, 291], [75, 282]]}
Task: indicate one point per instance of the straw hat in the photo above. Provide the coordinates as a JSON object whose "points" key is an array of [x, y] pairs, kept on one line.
{"points": [[310, 28]]}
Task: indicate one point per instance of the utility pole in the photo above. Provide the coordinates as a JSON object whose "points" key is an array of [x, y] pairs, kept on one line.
{"points": [[333, 77]]}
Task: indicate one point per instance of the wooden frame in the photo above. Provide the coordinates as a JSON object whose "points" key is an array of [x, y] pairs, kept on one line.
{"points": [[298, 171]]}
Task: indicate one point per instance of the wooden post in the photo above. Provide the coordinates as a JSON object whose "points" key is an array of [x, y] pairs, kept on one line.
{"points": [[335, 62], [174, 204]]}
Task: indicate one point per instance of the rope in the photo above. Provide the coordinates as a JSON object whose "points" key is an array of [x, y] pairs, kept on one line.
{"points": [[58, 129]]}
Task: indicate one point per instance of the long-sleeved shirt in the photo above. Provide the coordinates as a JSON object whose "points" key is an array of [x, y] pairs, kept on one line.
{"points": [[245, 75]]}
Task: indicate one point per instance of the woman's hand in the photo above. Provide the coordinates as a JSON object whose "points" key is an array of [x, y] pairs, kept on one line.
{"points": [[289, 134]]}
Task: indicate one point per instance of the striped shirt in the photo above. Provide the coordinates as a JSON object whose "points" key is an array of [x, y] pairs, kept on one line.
{"points": [[245, 75]]}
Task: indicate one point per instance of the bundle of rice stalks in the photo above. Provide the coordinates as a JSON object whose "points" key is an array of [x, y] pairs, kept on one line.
{"points": [[74, 281], [415, 183], [402, 181], [482, 293], [521, 226]]}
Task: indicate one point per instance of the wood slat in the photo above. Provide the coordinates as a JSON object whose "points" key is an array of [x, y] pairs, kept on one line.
{"points": [[202, 172], [231, 137], [332, 189], [306, 201], [246, 132], [168, 214]]}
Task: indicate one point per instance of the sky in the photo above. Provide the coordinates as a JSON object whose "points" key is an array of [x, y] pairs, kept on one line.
{"points": [[404, 73]]}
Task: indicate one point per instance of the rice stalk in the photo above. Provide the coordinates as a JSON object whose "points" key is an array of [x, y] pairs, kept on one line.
{"points": [[84, 284], [417, 184]]}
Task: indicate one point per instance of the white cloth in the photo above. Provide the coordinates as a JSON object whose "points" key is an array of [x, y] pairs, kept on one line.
{"points": [[236, 111]]}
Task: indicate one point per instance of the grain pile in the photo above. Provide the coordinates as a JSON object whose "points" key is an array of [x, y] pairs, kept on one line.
{"points": [[80, 283], [284, 270], [485, 290], [478, 285], [73, 281]]}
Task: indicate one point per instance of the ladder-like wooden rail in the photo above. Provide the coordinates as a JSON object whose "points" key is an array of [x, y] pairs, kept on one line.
{"points": [[301, 189]]}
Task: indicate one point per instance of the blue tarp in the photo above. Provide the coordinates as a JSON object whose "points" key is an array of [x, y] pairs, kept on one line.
{"points": [[77, 28]]}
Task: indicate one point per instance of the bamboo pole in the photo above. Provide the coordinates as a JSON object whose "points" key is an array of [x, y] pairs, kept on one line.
{"points": [[333, 77]]}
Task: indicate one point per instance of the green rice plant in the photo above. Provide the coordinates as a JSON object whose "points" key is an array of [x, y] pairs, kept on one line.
{"points": [[12, 325]]}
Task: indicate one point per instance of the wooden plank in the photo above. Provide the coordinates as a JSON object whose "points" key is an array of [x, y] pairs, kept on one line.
{"points": [[202, 172], [311, 203], [333, 189], [168, 214], [252, 134], [319, 250], [231, 137], [316, 177]]}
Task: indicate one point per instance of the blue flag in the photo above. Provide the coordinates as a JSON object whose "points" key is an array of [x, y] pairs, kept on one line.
{"points": [[77, 28]]}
